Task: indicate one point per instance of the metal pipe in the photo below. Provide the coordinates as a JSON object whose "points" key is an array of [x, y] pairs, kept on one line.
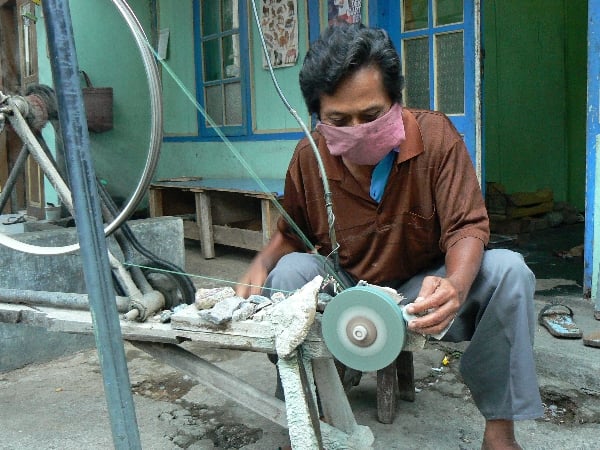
{"points": [[68, 300], [13, 177], [21, 127], [88, 217]]}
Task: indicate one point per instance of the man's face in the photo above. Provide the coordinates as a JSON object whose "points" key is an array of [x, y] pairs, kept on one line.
{"points": [[360, 98]]}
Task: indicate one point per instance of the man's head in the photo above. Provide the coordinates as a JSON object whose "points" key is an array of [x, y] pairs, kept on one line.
{"points": [[341, 51]]}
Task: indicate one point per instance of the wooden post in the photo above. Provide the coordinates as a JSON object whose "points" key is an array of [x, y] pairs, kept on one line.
{"points": [[205, 225]]}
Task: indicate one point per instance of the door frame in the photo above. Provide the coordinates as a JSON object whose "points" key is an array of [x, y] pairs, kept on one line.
{"points": [[592, 256]]}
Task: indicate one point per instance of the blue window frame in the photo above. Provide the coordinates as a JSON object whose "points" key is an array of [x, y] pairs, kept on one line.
{"points": [[222, 66], [222, 72], [437, 42]]}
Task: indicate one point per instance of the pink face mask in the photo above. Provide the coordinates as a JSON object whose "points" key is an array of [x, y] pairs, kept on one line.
{"points": [[367, 143]]}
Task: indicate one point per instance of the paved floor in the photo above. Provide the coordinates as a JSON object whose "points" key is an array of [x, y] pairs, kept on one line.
{"points": [[61, 405]]}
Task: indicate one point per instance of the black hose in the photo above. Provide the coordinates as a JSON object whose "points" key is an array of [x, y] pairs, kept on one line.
{"points": [[127, 240]]}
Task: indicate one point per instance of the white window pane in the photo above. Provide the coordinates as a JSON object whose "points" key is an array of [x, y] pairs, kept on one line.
{"points": [[450, 73], [214, 104], [233, 104], [416, 69]]}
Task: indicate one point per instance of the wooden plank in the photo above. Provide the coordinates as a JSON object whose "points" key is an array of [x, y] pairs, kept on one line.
{"points": [[334, 402], [514, 212], [387, 390], [9, 49], [302, 433], [238, 237], [269, 218], [251, 335], [155, 200], [227, 210], [274, 186], [218, 379], [4, 167], [235, 237]]}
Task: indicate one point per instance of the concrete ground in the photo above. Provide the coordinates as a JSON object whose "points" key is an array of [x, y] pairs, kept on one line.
{"points": [[61, 404]]}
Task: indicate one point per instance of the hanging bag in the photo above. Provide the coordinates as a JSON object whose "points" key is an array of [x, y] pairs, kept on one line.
{"points": [[98, 102]]}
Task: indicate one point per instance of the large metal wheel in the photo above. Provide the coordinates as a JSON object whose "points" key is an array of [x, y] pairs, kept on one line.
{"points": [[153, 80]]}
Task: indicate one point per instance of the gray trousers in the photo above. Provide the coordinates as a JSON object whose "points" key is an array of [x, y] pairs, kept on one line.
{"points": [[498, 318]]}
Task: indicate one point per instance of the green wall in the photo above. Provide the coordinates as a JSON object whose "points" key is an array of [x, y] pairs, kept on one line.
{"points": [[534, 96], [179, 111], [266, 158], [108, 54], [576, 81]]}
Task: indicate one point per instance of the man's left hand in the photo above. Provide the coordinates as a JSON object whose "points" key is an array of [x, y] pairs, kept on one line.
{"points": [[437, 305]]}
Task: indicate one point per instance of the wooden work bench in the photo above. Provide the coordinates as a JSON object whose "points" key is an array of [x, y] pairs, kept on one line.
{"points": [[305, 371], [236, 212]]}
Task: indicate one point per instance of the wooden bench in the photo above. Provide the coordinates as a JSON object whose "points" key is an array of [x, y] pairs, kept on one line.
{"points": [[230, 211]]}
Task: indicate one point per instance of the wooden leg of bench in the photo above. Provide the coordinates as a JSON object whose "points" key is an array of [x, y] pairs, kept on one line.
{"points": [[387, 389], [205, 225], [406, 376]]}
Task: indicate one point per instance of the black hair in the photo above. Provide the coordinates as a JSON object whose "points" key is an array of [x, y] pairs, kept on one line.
{"points": [[341, 50]]}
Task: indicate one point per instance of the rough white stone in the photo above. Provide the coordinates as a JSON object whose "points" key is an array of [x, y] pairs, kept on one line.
{"points": [[293, 317], [244, 311], [222, 311], [207, 298]]}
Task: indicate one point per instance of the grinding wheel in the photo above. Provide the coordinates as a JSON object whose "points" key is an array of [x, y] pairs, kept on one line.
{"points": [[363, 328]]}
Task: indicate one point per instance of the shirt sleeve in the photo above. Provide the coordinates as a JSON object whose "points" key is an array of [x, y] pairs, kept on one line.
{"points": [[459, 200], [295, 227]]}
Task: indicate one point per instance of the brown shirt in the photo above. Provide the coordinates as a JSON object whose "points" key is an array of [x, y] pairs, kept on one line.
{"points": [[432, 199]]}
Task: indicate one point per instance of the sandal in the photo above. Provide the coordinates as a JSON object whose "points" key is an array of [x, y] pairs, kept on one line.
{"points": [[558, 320], [14, 220], [592, 339]]}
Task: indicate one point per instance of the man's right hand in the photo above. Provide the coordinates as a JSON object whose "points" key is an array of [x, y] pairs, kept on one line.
{"points": [[253, 280]]}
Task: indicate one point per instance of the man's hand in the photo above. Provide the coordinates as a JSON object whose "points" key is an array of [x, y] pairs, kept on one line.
{"points": [[437, 304], [440, 298], [252, 281]]}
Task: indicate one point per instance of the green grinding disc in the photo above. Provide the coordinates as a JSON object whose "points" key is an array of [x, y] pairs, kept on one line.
{"points": [[363, 328]]}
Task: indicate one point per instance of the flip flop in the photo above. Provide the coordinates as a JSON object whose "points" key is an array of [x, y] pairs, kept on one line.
{"points": [[13, 220], [558, 319], [592, 339]]}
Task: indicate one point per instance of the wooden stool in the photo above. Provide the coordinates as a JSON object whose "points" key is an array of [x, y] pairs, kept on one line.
{"points": [[394, 381]]}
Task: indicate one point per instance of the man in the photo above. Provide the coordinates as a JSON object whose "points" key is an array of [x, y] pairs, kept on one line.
{"points": [[409, 214]]}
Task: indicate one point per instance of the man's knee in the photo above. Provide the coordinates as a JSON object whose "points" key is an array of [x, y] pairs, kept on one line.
{"points": [[292, 272], [508, 268]]}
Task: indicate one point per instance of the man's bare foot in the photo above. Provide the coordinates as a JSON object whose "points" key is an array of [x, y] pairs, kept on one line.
{"points": [[499, 435]]}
